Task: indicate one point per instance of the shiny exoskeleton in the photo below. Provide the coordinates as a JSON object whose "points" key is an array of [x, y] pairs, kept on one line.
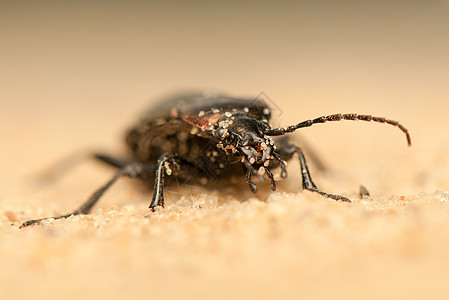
{"points": [[209, 135]]}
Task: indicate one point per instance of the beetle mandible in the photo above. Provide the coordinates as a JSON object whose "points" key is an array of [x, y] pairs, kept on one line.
{"points": [[211, 135]]}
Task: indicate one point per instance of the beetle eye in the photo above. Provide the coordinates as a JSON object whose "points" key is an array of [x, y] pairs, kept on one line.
{"points": [[264, 126]]}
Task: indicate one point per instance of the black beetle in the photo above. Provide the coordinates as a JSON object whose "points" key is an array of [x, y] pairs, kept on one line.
{"points": [[211, 136]]}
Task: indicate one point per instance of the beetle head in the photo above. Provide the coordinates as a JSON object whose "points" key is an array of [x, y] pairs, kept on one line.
{"points": [[243, 135]]}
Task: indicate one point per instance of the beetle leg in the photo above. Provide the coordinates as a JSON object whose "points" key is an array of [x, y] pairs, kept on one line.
{"points": [[313, 156], [311, 153], [110, 160], [133, 170], [66, 164], [307, 183], [165, 166]]}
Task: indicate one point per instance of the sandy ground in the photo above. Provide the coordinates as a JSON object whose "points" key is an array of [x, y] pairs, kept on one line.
{"points": [[73, 79]]}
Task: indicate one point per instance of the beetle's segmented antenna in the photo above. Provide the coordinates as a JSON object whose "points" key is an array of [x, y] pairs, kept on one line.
{"points": [[338, 117]]}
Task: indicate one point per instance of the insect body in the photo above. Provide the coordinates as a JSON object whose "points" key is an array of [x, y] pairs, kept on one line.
{"points": [[211, 136]]}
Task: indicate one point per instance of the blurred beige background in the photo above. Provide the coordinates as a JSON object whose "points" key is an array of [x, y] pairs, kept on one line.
{"points": [[74, 76]]}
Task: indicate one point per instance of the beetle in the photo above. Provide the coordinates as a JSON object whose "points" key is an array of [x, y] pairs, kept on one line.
{"points": [[215, 136]]}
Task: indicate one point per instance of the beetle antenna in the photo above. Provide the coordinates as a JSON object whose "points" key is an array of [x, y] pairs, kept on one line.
{"points": [[338, 117]]}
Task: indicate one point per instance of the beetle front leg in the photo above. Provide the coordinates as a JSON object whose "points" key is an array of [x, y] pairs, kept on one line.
{"points": [[167, 164], [287, 152]]}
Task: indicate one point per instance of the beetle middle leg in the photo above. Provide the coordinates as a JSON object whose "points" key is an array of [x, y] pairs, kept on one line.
{"points": [[287, 151]]}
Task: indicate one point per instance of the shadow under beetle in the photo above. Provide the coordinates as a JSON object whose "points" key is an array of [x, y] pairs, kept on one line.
{"points": [[211, 136]]}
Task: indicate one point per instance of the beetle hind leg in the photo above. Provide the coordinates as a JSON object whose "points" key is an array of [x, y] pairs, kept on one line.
{"points": [[111, 160], [133, 170], [287, 152]]}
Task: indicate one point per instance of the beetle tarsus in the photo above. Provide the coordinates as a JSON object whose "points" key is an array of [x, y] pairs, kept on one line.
{"points": [[39, 221]]}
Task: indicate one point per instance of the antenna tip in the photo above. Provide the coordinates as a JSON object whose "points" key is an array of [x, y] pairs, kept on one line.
{"points": [[409, 141]]}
